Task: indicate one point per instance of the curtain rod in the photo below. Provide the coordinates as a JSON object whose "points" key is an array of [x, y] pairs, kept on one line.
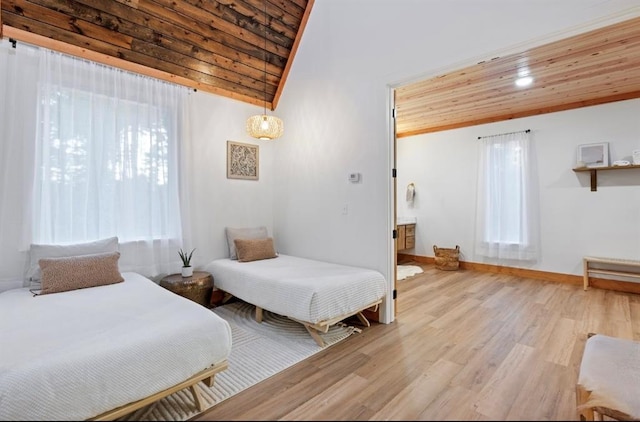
{"points": [[508, 133]]}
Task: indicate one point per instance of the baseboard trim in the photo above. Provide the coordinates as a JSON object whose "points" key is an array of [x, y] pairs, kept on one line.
{"points": [[599, 283]]}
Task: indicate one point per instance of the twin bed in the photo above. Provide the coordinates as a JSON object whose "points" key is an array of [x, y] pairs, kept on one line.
{"points": [[315, 293], [102, 352]]}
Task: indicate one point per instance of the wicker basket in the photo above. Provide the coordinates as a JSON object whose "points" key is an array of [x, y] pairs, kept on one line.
{"points": [[447, 259]]}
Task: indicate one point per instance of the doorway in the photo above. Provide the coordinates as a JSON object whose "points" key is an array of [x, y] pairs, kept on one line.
{"points": [[404, 265]]}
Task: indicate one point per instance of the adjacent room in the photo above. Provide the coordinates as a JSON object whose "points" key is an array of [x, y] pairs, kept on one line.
{"points": [[319, 210]]}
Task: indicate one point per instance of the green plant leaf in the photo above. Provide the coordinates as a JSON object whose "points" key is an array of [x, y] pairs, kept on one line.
{"points": [[186, 257]]}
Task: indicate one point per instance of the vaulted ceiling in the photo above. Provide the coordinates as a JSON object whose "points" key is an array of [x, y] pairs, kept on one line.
{"points": [[218, 46], [241, 49], [592, 68]]}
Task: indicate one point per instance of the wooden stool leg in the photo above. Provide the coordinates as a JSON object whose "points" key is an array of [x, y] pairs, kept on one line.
{"points": [[582, 395], [585, 267]]}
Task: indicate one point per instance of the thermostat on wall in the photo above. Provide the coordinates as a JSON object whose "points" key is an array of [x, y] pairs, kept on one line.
{"points": [[354, 177]]}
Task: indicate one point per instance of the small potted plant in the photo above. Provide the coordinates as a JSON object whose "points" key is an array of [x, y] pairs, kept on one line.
{"points": [[187, 269]]}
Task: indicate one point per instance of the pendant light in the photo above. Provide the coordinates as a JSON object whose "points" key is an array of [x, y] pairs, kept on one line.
{"points": [[262, 126]]}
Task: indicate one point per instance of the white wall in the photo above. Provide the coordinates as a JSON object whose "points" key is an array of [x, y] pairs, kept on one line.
{"points": [[335, 124], [574, 221], [218, 202]]}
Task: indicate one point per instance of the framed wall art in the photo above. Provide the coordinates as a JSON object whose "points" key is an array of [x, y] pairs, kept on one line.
{"points": [[243, 161], [593, 155]]}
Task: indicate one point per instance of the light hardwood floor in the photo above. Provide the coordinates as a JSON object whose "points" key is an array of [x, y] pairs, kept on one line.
{"points": [[466, 345]]}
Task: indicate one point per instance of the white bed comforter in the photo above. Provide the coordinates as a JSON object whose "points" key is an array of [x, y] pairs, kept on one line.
{"points": [[303, 289], [74, 355]]}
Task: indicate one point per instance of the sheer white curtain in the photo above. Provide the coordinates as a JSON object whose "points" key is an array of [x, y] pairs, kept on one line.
{"points": [[507, 204], [105, 161], [18, 93]]}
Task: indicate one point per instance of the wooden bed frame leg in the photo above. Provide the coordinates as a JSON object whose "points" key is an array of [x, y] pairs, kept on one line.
{"points": [[363, 320], [316, 336], [197, 397], [209, 381], [258, 314]]}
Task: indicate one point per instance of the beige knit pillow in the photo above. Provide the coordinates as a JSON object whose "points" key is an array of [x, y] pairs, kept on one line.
{"points": [[243, 233], [78, 272], [255, 249]]}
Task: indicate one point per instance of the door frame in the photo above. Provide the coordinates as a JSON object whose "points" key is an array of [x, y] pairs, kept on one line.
{"points": [[390, 310]]}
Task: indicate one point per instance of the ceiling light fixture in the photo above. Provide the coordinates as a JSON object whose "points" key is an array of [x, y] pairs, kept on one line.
{"points": [[262, 126], [524, 81]]}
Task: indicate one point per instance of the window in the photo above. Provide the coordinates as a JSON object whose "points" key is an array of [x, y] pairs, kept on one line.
{"points": [[107, 150], [106, 165], [89, 152], [506, 223]]}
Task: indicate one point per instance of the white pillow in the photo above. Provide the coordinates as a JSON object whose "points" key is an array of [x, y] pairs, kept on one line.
{"points": [[243, 233], [37, 252]]}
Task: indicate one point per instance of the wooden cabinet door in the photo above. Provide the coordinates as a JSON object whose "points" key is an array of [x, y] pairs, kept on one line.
{"points": [[410, 236], [401, 238]]}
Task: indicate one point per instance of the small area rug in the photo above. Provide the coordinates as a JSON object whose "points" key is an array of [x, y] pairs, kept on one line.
{"points": [[406, 271], [258, 351]]}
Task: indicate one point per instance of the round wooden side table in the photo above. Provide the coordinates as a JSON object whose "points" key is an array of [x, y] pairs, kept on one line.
{"points": [[196, 288]]}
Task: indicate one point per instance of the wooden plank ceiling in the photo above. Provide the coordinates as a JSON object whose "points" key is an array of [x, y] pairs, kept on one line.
{"points": [[216, 46], [596, 67]]}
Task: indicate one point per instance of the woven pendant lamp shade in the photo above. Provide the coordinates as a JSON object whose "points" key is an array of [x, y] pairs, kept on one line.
{"points": [[265, 127], [262, 126]]}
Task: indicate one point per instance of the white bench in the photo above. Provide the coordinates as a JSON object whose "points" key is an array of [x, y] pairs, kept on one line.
{"points": [[587, 260]]}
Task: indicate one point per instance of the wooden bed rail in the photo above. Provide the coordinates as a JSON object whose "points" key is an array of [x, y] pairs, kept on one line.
{"points": [[323, 326], [207, 376]]}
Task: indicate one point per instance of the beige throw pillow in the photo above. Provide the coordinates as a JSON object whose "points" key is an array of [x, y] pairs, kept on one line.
{"points": [[255, 249], [78, 272], [243, 233]]}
